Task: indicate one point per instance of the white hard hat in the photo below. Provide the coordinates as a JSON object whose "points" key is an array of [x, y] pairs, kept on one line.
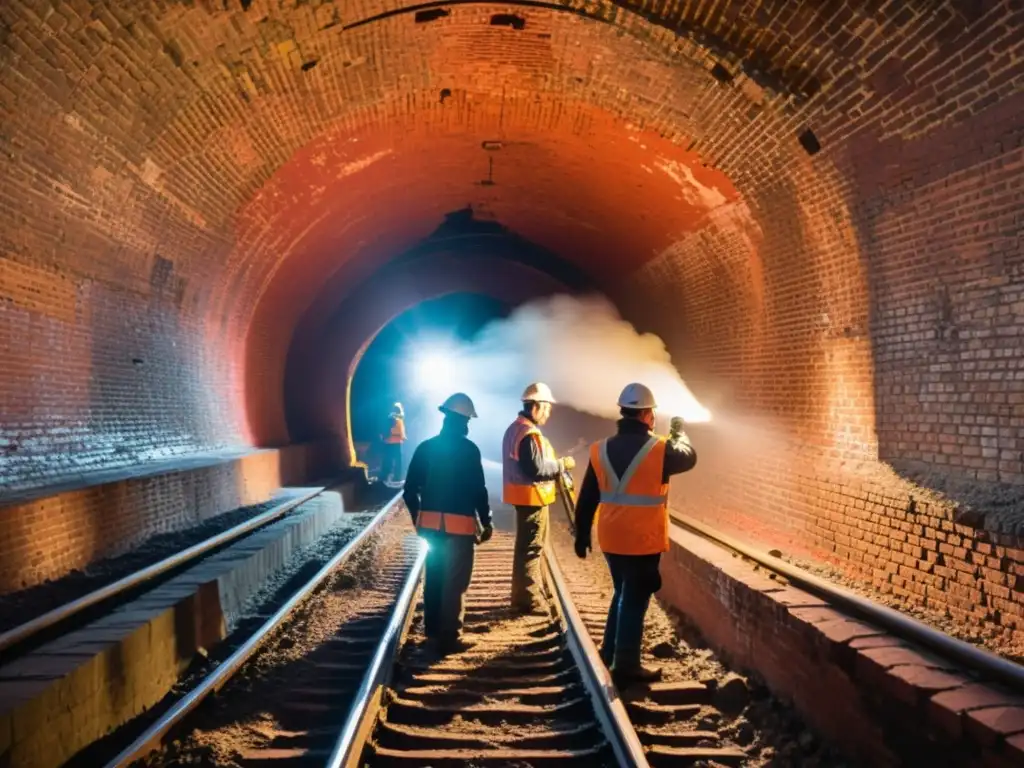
{"points": [[538, 392], [460, 404], [397, 407], [637, 396]]}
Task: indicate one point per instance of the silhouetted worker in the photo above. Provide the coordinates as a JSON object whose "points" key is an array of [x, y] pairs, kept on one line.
{"points": [[391, 461], [626, 487], [445, 493], [530, 469]]}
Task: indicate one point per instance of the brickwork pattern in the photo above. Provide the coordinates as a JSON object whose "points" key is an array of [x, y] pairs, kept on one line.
{"points": [[886, 700], [180, 180], [48, 537]]}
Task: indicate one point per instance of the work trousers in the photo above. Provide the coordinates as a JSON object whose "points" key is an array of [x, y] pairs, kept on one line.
{"points": [[636, 579], [449, 569], [391, 462], [531, 536]]}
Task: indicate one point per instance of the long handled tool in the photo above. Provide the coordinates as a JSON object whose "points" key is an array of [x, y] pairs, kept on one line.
{"points": [[567, 495]]}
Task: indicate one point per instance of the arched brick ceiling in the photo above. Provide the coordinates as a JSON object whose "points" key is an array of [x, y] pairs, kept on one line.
{"points": [[184, 177]]}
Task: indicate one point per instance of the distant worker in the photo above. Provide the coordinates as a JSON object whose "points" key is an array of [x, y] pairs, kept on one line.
{"points": [[626, 487], [391, 462], [530, 470], [445, 493]]}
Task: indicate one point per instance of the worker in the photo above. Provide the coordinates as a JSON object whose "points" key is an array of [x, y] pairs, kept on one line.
{"points": [[446, 496], [391, 463], [530, 470], [626, 488]]}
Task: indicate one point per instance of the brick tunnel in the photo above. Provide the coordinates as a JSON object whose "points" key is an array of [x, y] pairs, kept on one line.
{"points": [[816, 206]]}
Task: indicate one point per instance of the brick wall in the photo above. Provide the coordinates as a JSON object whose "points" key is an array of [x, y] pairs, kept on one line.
{"points": [[887, 701], [861, 344], [47, 537], [183, 182]]}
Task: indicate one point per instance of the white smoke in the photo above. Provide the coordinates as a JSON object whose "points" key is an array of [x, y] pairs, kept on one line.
{"points": [[580, 347]]}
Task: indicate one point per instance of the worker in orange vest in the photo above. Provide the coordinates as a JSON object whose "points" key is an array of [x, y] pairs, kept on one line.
{"points": [[626, 489], [391, 464], [446, 495], [529, 472]]}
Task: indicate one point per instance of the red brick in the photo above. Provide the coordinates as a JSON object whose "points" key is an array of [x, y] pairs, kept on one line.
{"points": [[914, 685], [876, 641], [1014, 747], [990, 725], [891, 657], [947, 708]]}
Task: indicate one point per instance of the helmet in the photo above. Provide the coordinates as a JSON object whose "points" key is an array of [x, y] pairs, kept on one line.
{"points": [[538, 392], [460, 404], [397, 408], [637, 396]]}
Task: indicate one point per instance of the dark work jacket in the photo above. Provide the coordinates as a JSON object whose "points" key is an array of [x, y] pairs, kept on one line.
{"points": [[446, 474], [622, 448], [531, 462]]}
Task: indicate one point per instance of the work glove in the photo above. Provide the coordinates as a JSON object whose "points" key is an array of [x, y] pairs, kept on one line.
{"points": [[581, 549], [485, 534], [568, 463], [676, 434]]}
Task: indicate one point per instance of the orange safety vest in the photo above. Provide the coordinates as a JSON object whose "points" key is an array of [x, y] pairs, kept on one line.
{"points": [[446, 522], [517, 488], [397, 433], [632, 516]]}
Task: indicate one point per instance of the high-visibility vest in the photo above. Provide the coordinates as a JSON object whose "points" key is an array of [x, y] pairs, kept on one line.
{"points": [[397, 433], [517, 488], [446, 522], [632, 516]]}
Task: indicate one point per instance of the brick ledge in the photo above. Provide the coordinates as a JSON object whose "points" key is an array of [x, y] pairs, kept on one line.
{"points": [[884, 699]]}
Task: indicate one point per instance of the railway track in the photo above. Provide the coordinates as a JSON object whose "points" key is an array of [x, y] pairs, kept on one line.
{"points": [[530, 691], [64, 618], [515, 698], [305, 692]]}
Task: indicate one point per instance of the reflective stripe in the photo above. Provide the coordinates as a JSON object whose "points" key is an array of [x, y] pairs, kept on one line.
{"points": [[633, 500], [457, 525], [617, 494]]}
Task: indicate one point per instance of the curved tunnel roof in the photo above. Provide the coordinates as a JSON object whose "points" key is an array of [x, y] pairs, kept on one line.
{"points": [[189, 185]]}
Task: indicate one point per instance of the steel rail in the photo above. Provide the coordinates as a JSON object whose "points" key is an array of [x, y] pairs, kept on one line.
{"points": [[607, 702], [24, 631], [150, 739], [978, 659], [350, 744]]}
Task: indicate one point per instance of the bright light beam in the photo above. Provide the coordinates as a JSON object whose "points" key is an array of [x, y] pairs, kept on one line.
{"points": [[432, 369]]}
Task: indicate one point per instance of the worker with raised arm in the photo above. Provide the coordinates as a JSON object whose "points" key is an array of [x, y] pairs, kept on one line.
{"points": [[626, 488], [391, 465], [530, 470], [446, 496]]}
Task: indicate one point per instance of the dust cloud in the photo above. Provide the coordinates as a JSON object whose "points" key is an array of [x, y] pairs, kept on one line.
{"points": [[580, 347]]}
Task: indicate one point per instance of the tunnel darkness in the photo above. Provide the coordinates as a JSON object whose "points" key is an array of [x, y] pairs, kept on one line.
{"points": [[817, 206]]}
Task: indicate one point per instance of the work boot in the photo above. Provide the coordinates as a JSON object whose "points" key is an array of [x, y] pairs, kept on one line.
{"points": [[629, 675]]}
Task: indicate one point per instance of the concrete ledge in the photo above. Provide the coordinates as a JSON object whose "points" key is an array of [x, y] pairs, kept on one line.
{"points": [[885, 700], [108, 514], [70, 692]]}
